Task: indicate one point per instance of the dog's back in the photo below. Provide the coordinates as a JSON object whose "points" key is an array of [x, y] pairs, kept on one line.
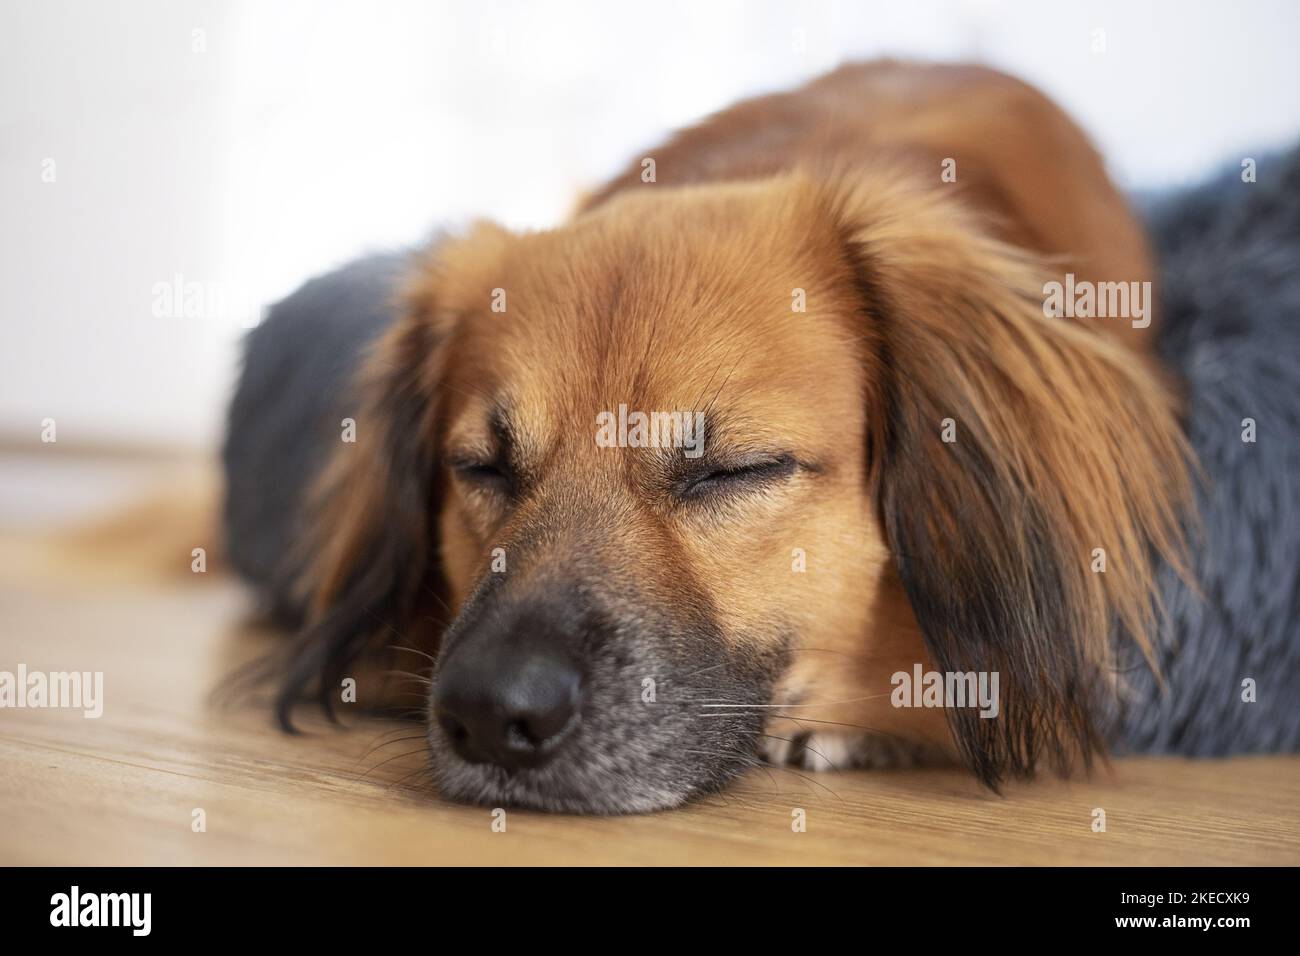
{"points": [[1015, 158]]}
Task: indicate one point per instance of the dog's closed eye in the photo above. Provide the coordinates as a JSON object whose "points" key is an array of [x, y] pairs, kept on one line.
{"points": [[482, 473], [736, 476]]}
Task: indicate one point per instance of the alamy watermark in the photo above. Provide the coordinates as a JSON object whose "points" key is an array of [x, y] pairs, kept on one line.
{"points": [[633, 429], [82, 690], [1081, 299], [923, 688], [184, 297], [75, 908]]}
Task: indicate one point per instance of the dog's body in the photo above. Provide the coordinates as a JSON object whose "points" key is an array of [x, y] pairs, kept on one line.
{"points": [[905, 466]]}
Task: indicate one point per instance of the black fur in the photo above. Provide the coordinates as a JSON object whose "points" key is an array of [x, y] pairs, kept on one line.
{"points": [[297, 384], [1230, 254]]}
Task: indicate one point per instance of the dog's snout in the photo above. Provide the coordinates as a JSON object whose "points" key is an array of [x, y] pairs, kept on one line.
{"points": [[508, 702]]}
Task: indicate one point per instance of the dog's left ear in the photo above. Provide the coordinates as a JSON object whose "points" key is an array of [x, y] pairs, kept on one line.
{"points": [[1030, 474]]}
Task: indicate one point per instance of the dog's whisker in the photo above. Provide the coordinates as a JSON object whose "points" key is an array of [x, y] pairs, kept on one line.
{"points": [[385, 762], [807, 779], [718, 394], [749, 760], [804, 744], [707, 385], [839, 723], [828, 703], [702, 670], [413, 650], [392, 733], [697, 700], [375, 748], [437, 597], [421, 774], [407, 675], [389, 626]]}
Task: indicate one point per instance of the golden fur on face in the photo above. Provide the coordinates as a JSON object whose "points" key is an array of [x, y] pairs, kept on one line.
{"points": [[829, 536]]}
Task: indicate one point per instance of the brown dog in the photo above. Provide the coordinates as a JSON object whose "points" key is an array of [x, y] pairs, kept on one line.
{"points": [[902, 464]]}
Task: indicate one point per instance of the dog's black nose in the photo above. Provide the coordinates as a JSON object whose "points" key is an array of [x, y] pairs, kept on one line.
{"points": [[507, 704]]}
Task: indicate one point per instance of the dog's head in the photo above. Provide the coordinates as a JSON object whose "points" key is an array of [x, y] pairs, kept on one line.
{"points": [[702, 470]]}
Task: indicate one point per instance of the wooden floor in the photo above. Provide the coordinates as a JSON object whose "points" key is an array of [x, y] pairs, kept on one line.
{"points": [[123, 789]]}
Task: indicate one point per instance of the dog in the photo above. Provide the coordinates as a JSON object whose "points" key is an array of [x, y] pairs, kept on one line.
{"points": [[777, 449]]}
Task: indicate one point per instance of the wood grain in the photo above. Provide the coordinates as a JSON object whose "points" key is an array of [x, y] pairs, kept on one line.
{"points": [[121, 789]]}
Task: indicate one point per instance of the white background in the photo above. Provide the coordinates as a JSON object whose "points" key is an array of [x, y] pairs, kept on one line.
{"points": [[300, 134]]}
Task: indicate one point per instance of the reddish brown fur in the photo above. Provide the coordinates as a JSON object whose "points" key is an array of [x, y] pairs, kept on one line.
{"points": [[924, 303]]}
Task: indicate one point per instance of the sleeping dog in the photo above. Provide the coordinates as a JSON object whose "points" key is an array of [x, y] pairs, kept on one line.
{"points": [[787, 446]]}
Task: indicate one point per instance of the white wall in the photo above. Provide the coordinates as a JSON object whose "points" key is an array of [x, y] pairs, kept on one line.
{"points": [[302, 133]]}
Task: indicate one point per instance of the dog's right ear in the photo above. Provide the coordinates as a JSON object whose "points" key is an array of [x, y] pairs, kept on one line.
{"points": [[370, 575]]}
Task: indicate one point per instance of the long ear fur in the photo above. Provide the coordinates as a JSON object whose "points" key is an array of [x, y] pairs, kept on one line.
{"points": [[1065, 442], [371, 561]]}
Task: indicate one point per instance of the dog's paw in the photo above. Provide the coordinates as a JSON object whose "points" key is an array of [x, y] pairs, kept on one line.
{"points": [[836, 750]]}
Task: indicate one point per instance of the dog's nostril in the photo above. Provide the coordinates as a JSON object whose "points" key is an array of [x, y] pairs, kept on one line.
{"points": [[542, 729], [452, 727], [519, 737]]}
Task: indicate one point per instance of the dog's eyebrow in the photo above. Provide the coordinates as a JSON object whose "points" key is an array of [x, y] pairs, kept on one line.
{"points": [[516, 448], [502, 429], [735, 439], [723, 438], [510, 450], [497, 437], [725, 443]]}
